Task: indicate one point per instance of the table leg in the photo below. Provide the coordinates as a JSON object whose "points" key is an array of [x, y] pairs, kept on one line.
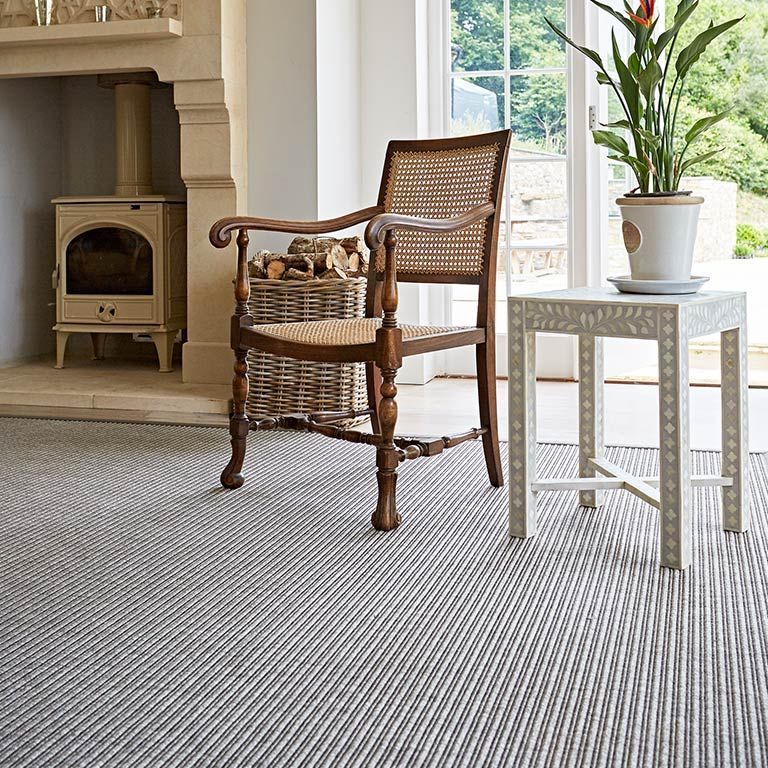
{"points": [[675, 453], [734, 395], [591, 382], [522, 424]]}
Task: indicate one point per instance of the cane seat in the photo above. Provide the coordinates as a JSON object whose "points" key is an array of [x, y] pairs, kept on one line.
{"points": [[352, 339], [359, 330]]}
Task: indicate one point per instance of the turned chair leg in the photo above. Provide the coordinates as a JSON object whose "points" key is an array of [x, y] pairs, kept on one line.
{"points": [[389, 358], [232, 476], [386, 517], [373, 384], [486, 390]]}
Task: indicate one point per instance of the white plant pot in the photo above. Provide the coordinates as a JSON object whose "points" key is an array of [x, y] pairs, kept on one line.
{"points": [[659, 235]]}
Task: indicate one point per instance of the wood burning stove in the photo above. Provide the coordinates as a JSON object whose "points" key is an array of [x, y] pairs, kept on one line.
{"points": [[121, 260]]}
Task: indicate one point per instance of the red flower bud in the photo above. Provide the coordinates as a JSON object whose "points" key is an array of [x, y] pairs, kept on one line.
{"points": [[645, 12]]}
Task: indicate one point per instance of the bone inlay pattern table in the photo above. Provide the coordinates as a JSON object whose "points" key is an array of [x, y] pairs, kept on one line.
{"points": [[594, 313]]}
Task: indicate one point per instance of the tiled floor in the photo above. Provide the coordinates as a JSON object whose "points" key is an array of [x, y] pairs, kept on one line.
{"points": [[112, 389]]}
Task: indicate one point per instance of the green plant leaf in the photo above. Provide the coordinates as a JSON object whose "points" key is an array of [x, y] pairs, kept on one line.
{"points": [[683, 13], [628, 83], [692, 53], [588, 52], [649, 78], [623, 124], [704, 125], [683, 5], [698, 159], [611, 140], [616, 15], [650, 138], [603, 79], [639, 168]]}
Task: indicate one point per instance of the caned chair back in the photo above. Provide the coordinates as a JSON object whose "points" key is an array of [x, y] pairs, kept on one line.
{"points": [[439, 179]]}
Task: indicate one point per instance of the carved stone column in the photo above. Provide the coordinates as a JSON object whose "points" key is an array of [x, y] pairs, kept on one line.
{"points": [[213, 191]]}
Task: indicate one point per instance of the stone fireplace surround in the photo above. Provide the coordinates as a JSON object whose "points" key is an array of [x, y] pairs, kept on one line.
{"points": [[206, 66]]}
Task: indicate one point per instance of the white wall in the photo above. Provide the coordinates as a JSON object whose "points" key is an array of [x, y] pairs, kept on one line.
{"points": [[282, 112], [30, 175], [339, 169], [330, 83], [395, 105]]}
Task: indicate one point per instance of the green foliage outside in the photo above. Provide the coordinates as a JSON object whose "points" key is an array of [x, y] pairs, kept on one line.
{"points": [[750, 242], [734, 73]]}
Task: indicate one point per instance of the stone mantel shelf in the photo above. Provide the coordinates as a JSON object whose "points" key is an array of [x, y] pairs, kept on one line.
{"points": [[107, 199], [91, 32]]}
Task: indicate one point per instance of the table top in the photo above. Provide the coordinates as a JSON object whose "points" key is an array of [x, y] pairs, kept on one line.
{"points": [[612, 296]]}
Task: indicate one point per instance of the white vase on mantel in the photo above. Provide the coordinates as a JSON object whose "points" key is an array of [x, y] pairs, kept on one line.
{"points": [[660, 234]]}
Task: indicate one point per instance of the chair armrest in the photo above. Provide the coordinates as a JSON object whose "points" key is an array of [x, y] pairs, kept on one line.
{"points": [[221, 232], [381, 223]]}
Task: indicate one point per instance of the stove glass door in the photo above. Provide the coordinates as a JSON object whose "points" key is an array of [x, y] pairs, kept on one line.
{"points": [[109, 261]]}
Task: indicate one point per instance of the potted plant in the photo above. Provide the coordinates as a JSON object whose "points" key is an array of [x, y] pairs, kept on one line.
{"points": [[659, 220]]}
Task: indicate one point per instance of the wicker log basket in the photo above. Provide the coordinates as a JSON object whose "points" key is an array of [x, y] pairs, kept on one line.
{"points": [[280, 385]]}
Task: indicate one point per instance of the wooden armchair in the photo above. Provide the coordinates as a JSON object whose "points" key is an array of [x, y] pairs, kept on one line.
{"points": [[436, 221]]}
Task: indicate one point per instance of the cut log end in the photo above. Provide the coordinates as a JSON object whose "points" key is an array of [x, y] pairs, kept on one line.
{"points": [[297, 274], [318, 258], [275, 270]]}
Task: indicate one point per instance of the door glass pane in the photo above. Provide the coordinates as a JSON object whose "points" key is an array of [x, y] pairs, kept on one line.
{"points": [[538, 113], [523, 87], [538, 183], [109, 261], [539, 189], [477, 35], [477, 104], [533, 45]]}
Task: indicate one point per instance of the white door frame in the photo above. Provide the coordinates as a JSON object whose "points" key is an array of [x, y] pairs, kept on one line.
{"points": [[587, 184]]}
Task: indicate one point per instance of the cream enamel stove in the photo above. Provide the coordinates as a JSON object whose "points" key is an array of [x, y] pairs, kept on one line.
{"points": [[121, 260]]}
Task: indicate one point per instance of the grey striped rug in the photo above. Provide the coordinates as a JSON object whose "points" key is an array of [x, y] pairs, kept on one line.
{"points": [[148, 618]]}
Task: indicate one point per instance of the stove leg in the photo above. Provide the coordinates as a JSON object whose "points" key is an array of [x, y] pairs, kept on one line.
{"points": [[61, 347], [164, 341], [98, 340]]}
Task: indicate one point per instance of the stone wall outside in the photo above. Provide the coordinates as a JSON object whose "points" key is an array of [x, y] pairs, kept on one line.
{"points": [[717, 222], [539, 189]]}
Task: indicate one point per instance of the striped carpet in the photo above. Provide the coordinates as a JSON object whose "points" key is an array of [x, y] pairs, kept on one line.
{"points": [[148, 618]]}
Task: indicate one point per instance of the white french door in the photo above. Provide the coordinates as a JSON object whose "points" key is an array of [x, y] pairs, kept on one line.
{"points": [[502, 67]]}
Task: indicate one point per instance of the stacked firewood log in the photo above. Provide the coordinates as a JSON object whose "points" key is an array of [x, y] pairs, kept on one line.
{"points": [[313, 258]]}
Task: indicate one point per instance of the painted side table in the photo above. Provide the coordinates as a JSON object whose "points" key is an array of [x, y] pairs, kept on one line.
{"points": [[594, 313]]}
